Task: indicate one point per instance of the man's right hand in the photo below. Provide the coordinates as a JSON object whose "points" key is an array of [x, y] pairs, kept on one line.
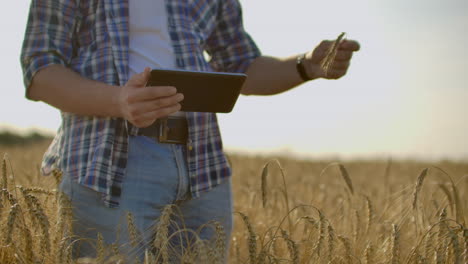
{"points": [[142, 105]]}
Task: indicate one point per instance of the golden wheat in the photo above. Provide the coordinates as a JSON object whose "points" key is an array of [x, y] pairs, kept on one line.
{"points": [[308, 215], [330, 55], [161, 241]]}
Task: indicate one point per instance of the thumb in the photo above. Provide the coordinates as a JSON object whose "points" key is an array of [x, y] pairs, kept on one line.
{"points": [[140, 79]]}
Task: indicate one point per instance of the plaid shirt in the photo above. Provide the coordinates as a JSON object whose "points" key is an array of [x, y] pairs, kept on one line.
{"points": [[91, 37]]}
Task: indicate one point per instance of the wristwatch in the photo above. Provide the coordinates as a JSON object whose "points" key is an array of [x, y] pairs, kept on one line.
{"points": [[301, 69]]}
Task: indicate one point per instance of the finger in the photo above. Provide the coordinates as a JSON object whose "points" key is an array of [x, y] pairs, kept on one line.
{"points": [[343, 55], [321, 51], [340, 65], [350, 45], [154, 105], [149, 117], [335, 73], [151, 93], [140, 79]]}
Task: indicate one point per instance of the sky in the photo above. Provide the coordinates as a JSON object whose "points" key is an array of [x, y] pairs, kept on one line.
{"points": [[404, 96]]}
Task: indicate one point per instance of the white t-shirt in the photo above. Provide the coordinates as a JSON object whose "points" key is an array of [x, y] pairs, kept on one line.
{"points": [[150, 43]]}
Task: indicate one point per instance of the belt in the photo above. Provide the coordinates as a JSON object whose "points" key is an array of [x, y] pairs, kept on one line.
{"points": [[171, 130]]}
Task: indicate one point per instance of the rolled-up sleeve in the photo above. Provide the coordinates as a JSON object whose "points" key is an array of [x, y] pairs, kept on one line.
{"points": [[48, 37], [231, 48]]}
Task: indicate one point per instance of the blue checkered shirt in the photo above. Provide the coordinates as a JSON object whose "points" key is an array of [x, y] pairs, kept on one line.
{"points": [[92, 38]]}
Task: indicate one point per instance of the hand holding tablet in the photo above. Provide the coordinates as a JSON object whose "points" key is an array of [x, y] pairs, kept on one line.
{"points": [[203, 91]]}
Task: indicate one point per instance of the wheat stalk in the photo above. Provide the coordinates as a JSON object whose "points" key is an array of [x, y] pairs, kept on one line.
{"points": [[395, 250], [100, 252], [12, 215], [465, 239], [370, 214], [201, 251], [428, 246], [264, 185], [460, 217], [446, 191], [417, 188], [345, 175], [42, 220], [220, 243], [330, 55], [369, 254], [455, 246], [162, 233], [292, 247], [331, 243], [36, 190], [57, 176], [347, 247], [132, 230], [441, 237], [357, 227], [322, 230], [252, 241], [28, 245], [4, 173]]}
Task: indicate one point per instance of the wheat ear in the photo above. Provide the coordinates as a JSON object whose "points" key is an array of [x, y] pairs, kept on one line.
{"points": [[252, 238], [428, 245], [292, 247], [132, 230], [357, 227], [465, 239], [331, 242], [220, 244], [347, 247], [370, 214], [347, 179], [322, 233], [4, 173], [28, 245], [395, 257], [417, 188], [455, 245], [162, 233], [264, 184], [327, 61], [369, 254], [13, 214], [441, 237]]}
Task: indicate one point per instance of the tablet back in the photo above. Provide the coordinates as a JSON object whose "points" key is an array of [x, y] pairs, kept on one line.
{"points": [[203, 91]]}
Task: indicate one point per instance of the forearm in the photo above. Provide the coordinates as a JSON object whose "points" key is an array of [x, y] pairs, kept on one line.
{"points": [[70, 92], [269, 75]]}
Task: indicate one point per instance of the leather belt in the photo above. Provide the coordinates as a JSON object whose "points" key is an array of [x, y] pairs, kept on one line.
{"points": [[171, 130]]}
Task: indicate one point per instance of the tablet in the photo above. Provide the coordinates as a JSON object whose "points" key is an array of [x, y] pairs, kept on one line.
{"points": [[203, 91]]}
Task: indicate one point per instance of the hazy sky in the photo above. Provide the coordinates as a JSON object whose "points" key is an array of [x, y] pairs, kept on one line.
{"points": [[404, 96]]}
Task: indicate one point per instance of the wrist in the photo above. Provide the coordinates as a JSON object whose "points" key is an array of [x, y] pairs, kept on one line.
{"points": [[116, 105], [301, 68]]}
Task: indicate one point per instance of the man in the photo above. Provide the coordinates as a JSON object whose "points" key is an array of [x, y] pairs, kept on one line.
{"points": [[92, 59]]}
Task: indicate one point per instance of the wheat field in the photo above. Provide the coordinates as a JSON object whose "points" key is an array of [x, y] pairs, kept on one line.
{"points": [[286, 211]]}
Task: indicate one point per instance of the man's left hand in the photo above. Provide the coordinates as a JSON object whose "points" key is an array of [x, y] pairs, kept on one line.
{"points": [[339, 65]]}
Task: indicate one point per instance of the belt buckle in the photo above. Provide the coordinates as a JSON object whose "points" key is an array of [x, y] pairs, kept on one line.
{"points": [[164, 133]]}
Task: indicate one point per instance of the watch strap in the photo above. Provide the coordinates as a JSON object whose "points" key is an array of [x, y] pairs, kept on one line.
{"points": [[301, 69]]}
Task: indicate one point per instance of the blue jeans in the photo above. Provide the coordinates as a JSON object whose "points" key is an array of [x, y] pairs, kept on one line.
{"points": [[156, 176]]}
